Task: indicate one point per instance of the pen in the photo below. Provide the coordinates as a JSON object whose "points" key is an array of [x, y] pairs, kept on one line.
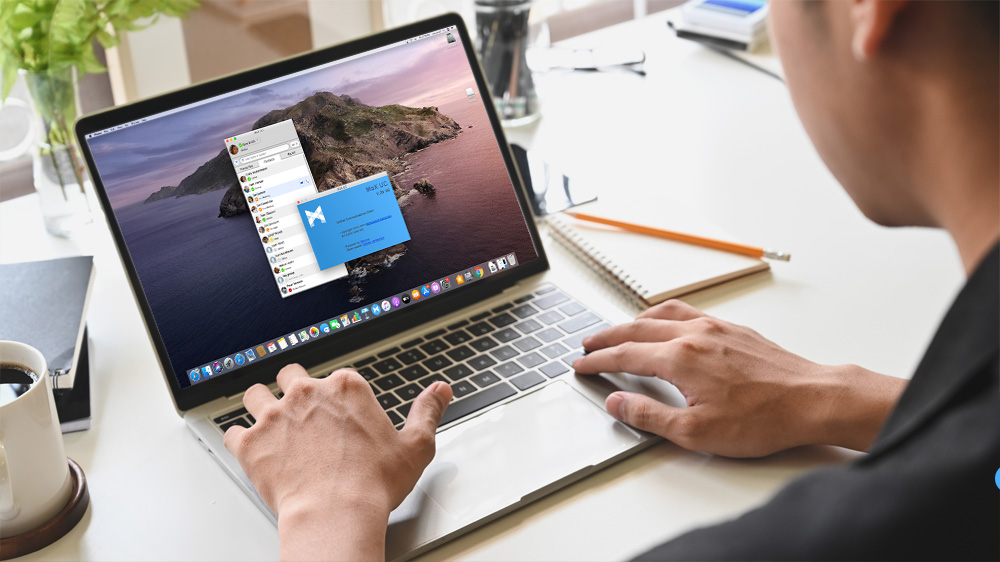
{"points": [[733, 247]]}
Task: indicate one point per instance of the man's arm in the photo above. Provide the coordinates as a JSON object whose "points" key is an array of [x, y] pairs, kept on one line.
{"points": [[925, 498], [317, 531], [746, 396], [327, 460]]}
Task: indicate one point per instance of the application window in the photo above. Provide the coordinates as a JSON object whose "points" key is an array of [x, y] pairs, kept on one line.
{"points": [[274, 174], [353, 220]]}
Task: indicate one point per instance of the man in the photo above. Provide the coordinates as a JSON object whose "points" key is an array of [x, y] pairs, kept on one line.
{"points": [[901, 100]]}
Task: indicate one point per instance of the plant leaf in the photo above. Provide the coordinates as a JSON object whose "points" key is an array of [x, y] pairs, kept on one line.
{"points": [[89, 60], [106, 39], [41, 35], [68, 21], [22, 17], [9, 75]]}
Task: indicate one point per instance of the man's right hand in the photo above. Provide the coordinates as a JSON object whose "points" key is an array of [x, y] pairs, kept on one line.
{"points": [[746, 396]]}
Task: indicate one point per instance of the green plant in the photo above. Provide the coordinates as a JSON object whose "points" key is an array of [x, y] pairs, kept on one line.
{"points": [[50, 37]]}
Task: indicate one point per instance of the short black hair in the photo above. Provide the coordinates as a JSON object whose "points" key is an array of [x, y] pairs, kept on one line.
{"points": [[988, 12], [984, 12]]}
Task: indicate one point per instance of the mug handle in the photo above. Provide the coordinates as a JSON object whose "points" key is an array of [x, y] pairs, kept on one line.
{"points": [[8, 507]]}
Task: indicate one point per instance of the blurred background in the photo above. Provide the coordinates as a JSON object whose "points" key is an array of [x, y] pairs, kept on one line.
{"points": [[225, 36]]}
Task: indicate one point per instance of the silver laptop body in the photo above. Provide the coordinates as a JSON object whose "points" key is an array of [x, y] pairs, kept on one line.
{"points": [[265, 282]]}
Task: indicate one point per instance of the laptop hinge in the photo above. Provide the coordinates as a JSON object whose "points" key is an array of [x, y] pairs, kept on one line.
{"points": [[516, 287]]}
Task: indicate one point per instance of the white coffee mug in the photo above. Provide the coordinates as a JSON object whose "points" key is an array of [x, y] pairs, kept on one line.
{"points": [[35, 482]]}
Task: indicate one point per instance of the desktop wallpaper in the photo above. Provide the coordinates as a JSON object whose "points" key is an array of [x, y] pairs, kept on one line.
{"points": [[196, 248]]}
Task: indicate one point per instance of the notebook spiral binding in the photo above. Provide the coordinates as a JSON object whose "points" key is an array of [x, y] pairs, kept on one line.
{"points": [[622, 282]]}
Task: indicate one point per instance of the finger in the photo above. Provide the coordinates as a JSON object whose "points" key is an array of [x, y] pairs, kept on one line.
{"points": [[642, 412], [638, 358], [233, 439], [289, 373], [256, 398], [672, 309], [641, 330], [426, 412]]}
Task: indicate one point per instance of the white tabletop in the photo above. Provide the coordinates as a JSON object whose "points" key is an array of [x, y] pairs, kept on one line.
{"points": [[700, 133]]}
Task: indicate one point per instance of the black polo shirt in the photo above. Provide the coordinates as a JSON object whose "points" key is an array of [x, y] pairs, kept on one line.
{"points": [[926, 491]]}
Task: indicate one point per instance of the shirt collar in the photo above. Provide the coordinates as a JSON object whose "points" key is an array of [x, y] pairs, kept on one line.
{"points": [[967, 339]]}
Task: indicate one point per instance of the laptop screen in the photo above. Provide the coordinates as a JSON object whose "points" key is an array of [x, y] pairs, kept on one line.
{"points": [[276, 215]]}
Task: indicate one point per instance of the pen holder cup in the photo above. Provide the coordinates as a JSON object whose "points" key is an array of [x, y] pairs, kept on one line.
{"points": [[502, 27]]}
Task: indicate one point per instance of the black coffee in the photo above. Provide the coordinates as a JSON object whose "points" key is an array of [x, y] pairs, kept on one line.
{"points": [[15, 380]]}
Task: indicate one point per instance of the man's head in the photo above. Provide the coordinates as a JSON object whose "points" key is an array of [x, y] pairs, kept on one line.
{"points": [[886, 87]]}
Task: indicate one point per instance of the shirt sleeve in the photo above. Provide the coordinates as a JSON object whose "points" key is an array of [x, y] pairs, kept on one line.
{"points": [[932, 496]]}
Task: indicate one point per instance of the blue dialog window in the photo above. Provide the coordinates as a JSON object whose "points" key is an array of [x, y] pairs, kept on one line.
{"points": [[353, 220]]}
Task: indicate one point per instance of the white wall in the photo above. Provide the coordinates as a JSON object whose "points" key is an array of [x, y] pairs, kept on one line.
{"points": [[149, 62], [336, 21]]}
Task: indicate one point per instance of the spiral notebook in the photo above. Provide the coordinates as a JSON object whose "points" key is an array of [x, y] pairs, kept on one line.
{"points": [[646, 269]]}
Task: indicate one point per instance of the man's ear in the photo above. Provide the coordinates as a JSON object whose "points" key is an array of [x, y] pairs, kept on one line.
{"points": [[872, 21]]}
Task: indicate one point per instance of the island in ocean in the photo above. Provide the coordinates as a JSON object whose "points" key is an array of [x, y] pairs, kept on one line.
{"points": [[343, 140]]}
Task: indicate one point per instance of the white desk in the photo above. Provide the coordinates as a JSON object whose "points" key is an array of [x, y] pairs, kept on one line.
{"points": [[700, 131]]}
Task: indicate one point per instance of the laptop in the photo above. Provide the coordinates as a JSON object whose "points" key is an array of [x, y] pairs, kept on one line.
{"points": [[358, 206]]}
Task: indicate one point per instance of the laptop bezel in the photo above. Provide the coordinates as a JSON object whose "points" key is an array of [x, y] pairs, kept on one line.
{"points": [[333, 345]]}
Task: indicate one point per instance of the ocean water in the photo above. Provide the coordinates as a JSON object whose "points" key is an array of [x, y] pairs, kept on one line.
{"points": [[209, 283]]}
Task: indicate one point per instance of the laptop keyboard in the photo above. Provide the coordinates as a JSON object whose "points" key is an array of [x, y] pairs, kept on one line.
{"points": [[486, 359]]}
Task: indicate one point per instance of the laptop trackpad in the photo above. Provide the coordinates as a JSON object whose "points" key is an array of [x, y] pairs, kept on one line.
{"points": [[495, 459]]}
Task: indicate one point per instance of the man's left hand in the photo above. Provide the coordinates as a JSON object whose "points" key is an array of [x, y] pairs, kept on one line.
{"points": [[328, 461]]}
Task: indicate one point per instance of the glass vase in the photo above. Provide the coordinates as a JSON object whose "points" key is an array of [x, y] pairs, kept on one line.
{"points": [[58, 170]]}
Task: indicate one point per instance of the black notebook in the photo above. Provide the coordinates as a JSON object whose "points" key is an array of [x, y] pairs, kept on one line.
{"points": [[44, 304]]}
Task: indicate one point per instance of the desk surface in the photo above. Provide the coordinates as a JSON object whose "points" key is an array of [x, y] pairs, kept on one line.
{"points": [[701, 133]]}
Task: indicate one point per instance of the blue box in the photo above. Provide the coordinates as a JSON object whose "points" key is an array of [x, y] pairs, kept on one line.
{"points": [[352, 221]]}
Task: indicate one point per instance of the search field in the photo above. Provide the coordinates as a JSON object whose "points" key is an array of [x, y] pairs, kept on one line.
{"points": [[262, 154]]}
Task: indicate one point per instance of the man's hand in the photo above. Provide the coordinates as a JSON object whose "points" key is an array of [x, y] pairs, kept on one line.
{"points": [[328, 461], [746, 396]]}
